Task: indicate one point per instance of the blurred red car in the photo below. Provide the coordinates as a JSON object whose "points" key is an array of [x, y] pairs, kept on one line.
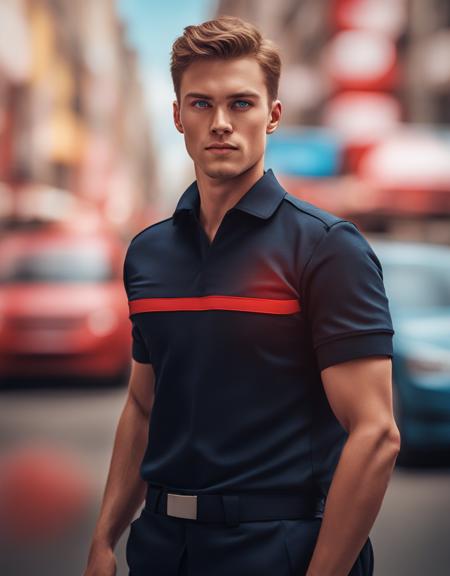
{"points": [[63, 307]]}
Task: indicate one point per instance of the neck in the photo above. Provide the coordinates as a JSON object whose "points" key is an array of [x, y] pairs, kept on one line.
{"points": [[218, 195]]}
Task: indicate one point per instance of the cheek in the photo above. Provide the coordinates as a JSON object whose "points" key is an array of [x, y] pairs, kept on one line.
{"points": [[190, 145], [256, 127], [256, 136], [191, 134], [190, 122]]}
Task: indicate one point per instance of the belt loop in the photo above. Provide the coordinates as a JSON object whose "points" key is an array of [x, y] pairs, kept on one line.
{"points": [[157, 491], [231, 508]]}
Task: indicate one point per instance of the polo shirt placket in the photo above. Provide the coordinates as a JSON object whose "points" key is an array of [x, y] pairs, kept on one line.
{"points": [[238, 330]]}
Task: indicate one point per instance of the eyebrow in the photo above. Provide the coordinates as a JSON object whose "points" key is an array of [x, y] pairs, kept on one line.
{"points": [[247, 94]]}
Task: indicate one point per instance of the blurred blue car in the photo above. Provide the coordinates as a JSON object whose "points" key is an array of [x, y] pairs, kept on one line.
{"points": [[417, 283]]}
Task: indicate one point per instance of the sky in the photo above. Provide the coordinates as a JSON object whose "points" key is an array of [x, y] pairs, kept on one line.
{"points": [[153, 26], [151, 29]]}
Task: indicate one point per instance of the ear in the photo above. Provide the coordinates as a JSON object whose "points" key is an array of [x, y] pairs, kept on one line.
{"points": [[176, 117], [275, 117]]}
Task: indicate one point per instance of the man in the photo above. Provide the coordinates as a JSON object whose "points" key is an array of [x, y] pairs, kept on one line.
{"points": [[258, 424]]}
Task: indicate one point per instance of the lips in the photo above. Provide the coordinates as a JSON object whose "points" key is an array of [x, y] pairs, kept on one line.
{"points": [[223, 151], [221, 147]]}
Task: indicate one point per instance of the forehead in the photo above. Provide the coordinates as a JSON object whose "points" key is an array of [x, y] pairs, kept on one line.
{"points": [[219, 77]]}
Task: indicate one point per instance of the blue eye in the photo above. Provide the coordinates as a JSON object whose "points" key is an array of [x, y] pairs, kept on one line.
{"points": [[243, 104], [199, 102], [247, 104]]}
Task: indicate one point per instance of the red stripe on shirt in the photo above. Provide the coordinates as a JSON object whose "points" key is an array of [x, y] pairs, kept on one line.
{"points": [[236, 303]]}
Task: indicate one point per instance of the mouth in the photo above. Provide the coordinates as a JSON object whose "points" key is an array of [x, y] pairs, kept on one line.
{"points": [[221, 149], [222, 145]]}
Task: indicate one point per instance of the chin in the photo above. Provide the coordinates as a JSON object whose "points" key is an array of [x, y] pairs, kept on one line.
{"points": [[222, 171], [225, 171]]}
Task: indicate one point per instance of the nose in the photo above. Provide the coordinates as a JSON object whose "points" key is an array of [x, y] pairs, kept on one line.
{"points": [[220, 122]]}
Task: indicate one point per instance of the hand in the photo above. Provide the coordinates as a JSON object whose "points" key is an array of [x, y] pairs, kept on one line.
{"points": [[101, 562]]}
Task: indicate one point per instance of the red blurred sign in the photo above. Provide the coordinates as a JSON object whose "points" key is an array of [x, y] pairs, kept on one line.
{"points": [[385, 16], [361, 60]]}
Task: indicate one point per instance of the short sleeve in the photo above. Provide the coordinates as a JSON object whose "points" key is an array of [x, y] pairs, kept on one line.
{"points": [[139, 350], [344, 298]]}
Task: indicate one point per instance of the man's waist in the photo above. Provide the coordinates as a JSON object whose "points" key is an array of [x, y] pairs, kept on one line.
{"points": [[233, 507]]}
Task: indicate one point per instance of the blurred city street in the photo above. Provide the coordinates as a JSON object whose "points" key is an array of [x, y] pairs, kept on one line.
{"points": [[410, 536], [80, 425]]}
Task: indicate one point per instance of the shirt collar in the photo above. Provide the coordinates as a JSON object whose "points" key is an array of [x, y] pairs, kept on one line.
{"points": [[261, 200]]}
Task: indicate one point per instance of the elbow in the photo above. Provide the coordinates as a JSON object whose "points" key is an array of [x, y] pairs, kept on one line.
{"points": [[381, 438], [393, 438], [389, 441]]}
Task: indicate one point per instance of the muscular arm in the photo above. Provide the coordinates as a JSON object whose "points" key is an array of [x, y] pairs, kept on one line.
{"points": [[360, 394], [125, 489]]}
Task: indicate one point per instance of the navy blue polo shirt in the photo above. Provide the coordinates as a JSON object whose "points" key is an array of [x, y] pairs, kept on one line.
{"points": [[237, 332]]}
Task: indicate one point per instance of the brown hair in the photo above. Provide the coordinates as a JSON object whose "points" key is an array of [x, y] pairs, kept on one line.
{"points": [[225, 37]]}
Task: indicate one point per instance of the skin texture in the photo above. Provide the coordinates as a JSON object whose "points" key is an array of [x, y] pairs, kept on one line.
{"points": [[242, 121], [125, 489], [360, 394], [359, 391]]}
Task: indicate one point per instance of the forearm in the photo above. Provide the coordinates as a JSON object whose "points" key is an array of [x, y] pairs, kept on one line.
{"points": [[124, 489], [354, 500]]}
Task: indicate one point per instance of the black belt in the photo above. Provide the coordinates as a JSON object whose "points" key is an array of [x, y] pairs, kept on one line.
{"points": [[233, 508]]}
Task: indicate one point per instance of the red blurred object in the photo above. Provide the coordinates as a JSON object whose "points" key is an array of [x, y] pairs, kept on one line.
{"points": [[343, 195], [411, 170], [361, 119], [42, 493], [361, 60], [350, 196], [384, 16], [63, 307], [409, 161]]}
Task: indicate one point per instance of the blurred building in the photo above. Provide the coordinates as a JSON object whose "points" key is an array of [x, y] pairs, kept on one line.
{"points": [[365, 88], [72, 109], [416, 36]]}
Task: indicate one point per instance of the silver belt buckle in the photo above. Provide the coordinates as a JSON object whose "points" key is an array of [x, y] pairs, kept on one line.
{"points": [[182, 505]]}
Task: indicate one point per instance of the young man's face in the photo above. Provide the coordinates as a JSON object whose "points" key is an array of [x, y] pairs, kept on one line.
{"points": [[225, 101]]}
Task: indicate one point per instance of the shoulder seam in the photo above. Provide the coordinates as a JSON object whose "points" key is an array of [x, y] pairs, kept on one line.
{"points": [[317, 244], [148, 227], [340, 222], [305, 211], [321, 239]]}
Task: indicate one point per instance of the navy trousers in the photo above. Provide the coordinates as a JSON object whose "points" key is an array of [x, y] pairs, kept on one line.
{"points": [[160, 545]]}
